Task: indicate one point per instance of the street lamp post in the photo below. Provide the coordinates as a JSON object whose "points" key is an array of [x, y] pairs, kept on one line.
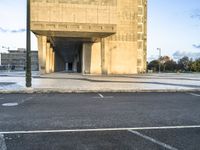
{"points": [[28, 47], [159, 49]]}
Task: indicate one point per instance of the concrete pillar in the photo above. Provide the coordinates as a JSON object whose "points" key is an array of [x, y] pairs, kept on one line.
{"points": [[86, 58], [51, 59], [66, 67], [48, 58], [53, 66], [42, 43], [103, 58], [39, 39], [96, 58], [75, 64]]}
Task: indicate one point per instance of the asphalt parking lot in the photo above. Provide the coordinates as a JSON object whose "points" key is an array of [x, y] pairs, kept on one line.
{"points": [[96, 121]]}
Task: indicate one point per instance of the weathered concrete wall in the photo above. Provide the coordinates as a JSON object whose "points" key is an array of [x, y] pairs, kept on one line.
{"points": [[73, 18], [80, 11], [126, 50]]}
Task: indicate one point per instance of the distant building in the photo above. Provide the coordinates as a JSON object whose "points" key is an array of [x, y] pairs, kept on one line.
{"points": [[16, 60]]}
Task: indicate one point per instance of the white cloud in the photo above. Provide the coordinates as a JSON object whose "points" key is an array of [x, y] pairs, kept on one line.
{"points": [[3, 30], [196, 46], [180, 54]]}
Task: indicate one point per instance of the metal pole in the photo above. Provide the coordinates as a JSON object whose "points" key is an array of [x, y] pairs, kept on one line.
{"points": [[159, 49], [28, 47]]}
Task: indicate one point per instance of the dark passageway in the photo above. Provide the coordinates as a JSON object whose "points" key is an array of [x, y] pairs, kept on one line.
{"points": [[69, 50]]}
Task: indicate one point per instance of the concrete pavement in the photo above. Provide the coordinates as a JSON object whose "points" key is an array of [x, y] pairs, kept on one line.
{"points": [[65, 82]]}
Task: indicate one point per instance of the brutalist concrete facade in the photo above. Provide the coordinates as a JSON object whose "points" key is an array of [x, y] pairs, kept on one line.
{"points": [[91, 36]]}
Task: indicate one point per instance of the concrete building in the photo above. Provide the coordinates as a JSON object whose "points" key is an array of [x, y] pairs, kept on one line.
{"points": [[16, 60], [90, 36]]}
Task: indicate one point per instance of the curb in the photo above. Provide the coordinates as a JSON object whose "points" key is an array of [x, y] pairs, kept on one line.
{"points": [[51, 90]]}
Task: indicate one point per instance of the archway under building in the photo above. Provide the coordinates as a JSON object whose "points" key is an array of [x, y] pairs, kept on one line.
{"points": [[70, 54]]}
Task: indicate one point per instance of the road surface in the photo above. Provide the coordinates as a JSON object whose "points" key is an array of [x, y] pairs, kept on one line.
{"points": [[96, 121]]}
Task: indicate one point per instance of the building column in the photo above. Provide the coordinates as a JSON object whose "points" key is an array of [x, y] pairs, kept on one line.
{"points": [[103, 58], [74, 67], [42, 41], [51, 60], [86, 58], [48, 58], [53, 66]]}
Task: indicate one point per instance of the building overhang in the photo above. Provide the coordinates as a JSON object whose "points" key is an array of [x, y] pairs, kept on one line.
{"points": [[81, 30]]}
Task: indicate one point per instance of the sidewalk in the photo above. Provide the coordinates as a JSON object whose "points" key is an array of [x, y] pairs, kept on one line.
{"points": [[65, 82]]}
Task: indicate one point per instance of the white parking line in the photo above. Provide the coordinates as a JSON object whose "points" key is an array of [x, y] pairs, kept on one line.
{"points": [[193, 94], [101, 95], [2, 143], [99, 130], [16, 103], [10, 104], [153, 140]]}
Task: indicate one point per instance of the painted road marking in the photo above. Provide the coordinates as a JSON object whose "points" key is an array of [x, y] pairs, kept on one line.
{"points": [[2, 143], [99, 130], [10, 104], [153, 140], [101, 96], [193, 94]]}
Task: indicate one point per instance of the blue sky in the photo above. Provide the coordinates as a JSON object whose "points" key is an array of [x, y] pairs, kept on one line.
{"points": [[173, 26]]}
